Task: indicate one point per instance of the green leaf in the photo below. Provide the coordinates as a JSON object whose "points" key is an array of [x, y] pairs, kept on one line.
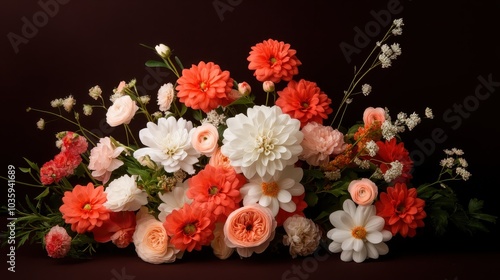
{"points": [[475, 205], [25, 169], [43, 194], [197, 115], [32, 164], [155, 63], [311, 199], [179, 63]]}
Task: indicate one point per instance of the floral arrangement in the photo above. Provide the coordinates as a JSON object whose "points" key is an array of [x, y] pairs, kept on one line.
{"points": [[212, 167]]}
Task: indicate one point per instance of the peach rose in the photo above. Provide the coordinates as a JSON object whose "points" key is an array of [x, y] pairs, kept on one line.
{"points": [[205, 138], [151, 240], [250, 229], [363, 191], [219, 246], [122, 111], [371, 115]]}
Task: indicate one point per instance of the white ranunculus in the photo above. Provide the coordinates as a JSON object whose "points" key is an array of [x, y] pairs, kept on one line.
{"points": [[124, 195], [122, 111]]}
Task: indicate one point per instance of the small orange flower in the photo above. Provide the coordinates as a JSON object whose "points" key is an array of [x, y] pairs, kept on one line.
{"points": [[204, 86], [83, 207], [273, 61], [305, 101]]}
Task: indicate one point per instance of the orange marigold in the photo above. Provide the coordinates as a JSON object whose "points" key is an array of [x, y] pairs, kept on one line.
{"points": [[83, 207], [401, 209], [305, 101], [273, 61], [204, 86]]}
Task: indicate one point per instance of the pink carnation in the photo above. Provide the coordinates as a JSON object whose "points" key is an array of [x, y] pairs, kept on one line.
{"points": [[320, 142], [57, 242]]}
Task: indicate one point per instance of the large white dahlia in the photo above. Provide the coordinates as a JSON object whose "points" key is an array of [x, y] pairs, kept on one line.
{"points": [[169, 144], [263, 141]]}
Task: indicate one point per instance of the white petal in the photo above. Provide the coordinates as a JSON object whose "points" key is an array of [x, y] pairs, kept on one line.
{"points": [[335, 247], [284, 196], [374, 237], [265, 200], [346, 255], [338, 235], [342, 220], [359, 256]]}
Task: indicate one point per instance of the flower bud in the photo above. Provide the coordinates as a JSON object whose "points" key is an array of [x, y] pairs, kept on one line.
{"points": [[268, 86], [244, 88], [163, 50]]}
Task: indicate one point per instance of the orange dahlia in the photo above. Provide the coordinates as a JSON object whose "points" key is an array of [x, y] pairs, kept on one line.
{"points": [[401, 209], [204, 86], [216, 189], [190, 227], [273, 61], [83, 207], [305, 101]]}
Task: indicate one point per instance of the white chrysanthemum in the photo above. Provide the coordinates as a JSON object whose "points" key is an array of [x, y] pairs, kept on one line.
{"points": [[169, 144], [275, 192], [173, 200], [124, 195], [262, 142], [358, 233]]}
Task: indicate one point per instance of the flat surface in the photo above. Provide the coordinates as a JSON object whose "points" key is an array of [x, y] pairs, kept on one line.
{"points": [[398, 264]]}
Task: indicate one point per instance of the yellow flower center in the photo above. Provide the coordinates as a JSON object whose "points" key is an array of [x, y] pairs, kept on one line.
{"points": [[189, 229], [87, 207], [213, 190], [359, 232], [270, 189], [203, 86], [305, 104], [273, 60]]}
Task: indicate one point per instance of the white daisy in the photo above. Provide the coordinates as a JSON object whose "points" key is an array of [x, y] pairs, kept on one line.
{"points": [[276, 192], [358, 233], [169, 144], [262, 142]]}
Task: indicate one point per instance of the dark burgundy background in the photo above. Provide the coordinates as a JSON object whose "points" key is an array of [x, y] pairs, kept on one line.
{"points": [[446, 47]]}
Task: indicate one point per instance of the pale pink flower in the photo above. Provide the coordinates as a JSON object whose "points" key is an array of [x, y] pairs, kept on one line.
{"points": [[122, 111], [151, 241], [320, 142], [363, 191], [57, 242], [204, 139], [103, 159], [302, 235], [372, 115], [166, 95]]}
